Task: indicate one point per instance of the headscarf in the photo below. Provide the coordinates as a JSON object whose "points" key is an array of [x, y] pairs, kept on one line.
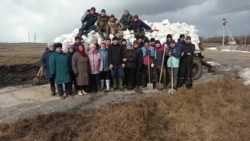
{"points": [[81, 52]]}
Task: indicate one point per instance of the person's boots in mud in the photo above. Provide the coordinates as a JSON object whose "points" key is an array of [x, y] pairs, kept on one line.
{"points": [[120, 85], [53, 91]]}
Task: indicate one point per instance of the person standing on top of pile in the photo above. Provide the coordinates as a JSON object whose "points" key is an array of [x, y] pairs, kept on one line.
{"points": [[88, 23], [71, 52], [85, 14], [96, 67], [138, 69], [60, 70], [159, 55], [148, 54], [102, 24], [126, 19], [44, 61], [105, 74], [115, 27], [138, 27], [186, 65], [116, 64], [77, 42], [81, 68], [130, 62], [174, 61]]}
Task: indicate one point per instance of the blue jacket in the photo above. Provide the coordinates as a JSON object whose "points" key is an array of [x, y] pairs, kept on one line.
{"points": [[151, 49], [104, 55], [176, 51], [44, 61], [90, 19]]}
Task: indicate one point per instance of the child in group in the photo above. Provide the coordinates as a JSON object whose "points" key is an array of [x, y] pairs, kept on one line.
{"points": [[96, 67], [105, 74]]}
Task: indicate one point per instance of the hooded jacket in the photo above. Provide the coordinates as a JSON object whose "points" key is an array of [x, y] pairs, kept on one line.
{"points": [[90, 19], [96, 62], [44, 61]]}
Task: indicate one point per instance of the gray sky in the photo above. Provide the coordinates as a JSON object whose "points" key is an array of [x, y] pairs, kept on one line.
{"points": [[51, 18]]}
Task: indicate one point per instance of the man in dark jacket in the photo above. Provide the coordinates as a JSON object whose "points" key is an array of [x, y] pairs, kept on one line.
{"points": [[169, 38], [116, 64], [126, 19], [186, 65], [44, 61], [71, 52], [88, 23], [102, 25], [139, 63], [130, 61], [77, 42], [138, 26]]}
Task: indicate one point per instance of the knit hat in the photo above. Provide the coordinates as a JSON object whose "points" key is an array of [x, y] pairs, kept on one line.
{"points": [[50, 44], [112, 16], [157, 42], [58, 45], [103, 11], [124, 40], [152, 40], [188, 38], [182, 36], [169, 36], [136, 17], [70, 46], [146, 41], [129, 44], [115, 38]]}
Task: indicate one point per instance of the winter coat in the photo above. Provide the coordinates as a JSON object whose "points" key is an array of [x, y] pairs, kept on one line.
{"points": [[90, 19], [151, 51], [116, 55], [75, 46], [84, 16], [126, 19], [44, 61], [102, 21], [159, 52], [70, 56], [104, 55], [139, 58], [115, 27], [130, 55], [81, 67], [173, 62], [188, 48], [96, 62], [139, 26], [176, 51], [59, 67]]}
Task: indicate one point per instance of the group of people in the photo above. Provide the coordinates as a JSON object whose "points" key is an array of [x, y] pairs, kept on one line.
{"points": [[118, 65], [106, 25]]}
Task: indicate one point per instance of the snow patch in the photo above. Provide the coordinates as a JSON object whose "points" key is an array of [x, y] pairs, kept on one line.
{"points": [[213, 63], [245, 75], [212, 48]]}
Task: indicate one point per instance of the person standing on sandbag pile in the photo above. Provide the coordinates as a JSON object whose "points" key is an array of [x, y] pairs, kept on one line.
{"points": [[115, 27], [138, 27], [105, 74], [88, 23], [96, 67], [126, 19], [71, 52], [102, 25], [77, 42], [174, 61], [139, 62], [81, 68], [186, 65], [148, 54], [60, 69], [44, 62], [116, 64], [159, 55], [130, 62]]}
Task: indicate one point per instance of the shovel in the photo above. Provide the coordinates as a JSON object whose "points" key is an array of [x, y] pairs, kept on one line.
{"points": [[149, 85], [159, 85], [38, 77], [172, 90]]}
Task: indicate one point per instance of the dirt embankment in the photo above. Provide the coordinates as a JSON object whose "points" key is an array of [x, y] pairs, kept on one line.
{"points": [[218, 110], [17, 74]]}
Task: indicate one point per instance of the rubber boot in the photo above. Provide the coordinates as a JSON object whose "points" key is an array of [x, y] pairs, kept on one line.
{"points": [[107, 85], [120, 85], [53, 91], [114, 84], [102, 85], [180, 82]]}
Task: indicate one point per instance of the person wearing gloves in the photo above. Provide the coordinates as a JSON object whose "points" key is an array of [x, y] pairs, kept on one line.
{"points": [[130, 62], [138, 27], [96, 67], [60, 69], [102, 25], [159, 55], [148, 54], [81, 68], [116, 63], [126, 19], [186, 65], [105, 74], [44, 61], [174, 61]]}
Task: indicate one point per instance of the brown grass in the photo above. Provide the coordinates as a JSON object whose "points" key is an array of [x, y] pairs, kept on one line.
{"points": [[216, 111]]}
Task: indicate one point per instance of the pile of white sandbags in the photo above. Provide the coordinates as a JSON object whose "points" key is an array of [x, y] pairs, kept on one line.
{"points": [[164, 28]]}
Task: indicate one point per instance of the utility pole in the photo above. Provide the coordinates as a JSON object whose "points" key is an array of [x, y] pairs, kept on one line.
{"points": [[35, 37], [29, 36], [231, 40], [246, 40]]}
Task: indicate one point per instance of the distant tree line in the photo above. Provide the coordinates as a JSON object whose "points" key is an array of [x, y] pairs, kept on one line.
{"points": [[218, 39]]}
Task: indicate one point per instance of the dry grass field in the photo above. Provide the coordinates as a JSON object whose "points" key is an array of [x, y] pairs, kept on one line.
{"points": [[216, 111]]}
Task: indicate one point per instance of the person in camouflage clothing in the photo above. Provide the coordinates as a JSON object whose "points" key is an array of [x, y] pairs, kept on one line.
{"points": [[102, 25], [115, 27], [126, 19]]}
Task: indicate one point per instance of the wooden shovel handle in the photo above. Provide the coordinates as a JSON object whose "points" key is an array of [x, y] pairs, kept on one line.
{"points": [[163, 58]]}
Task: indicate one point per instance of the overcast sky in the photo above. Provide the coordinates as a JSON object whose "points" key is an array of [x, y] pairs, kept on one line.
{"points": [[51, 18]]}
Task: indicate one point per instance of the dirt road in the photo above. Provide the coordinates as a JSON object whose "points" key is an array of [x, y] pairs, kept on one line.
{"points": [[26, 100]]}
